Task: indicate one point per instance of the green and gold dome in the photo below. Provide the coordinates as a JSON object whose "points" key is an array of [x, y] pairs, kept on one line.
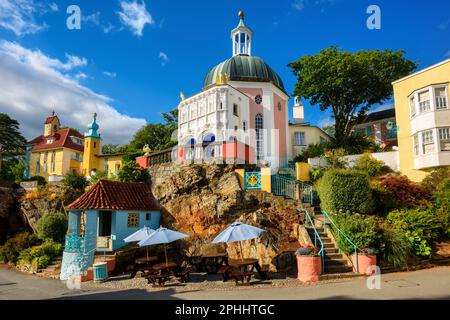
{"points": [[243, 68]]}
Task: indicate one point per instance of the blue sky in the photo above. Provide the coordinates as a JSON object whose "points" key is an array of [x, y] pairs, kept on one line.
{"points": [[135, 67]]}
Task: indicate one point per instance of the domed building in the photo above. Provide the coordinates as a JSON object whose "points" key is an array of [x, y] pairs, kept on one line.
{"points": [[240, 115]]}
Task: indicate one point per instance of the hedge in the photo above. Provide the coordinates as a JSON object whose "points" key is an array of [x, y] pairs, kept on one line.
{"points": [[346, 190]]}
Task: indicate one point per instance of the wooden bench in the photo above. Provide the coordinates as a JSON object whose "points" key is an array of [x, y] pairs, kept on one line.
{"points": [[157, 279], [242, 276], [225, 272], [183, 274]]}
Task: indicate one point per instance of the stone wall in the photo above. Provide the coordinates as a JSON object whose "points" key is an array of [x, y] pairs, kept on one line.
{"points": [[11, 221]]}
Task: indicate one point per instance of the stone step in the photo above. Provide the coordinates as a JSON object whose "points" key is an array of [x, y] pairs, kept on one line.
{"points": [[334, 255], [337, 269], [331, 250], [337, 275], [336, 262]]}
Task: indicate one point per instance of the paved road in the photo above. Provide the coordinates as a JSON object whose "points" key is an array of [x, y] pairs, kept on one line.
{"points": [[423, 284]]}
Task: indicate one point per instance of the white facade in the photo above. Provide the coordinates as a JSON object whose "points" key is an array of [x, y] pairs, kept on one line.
{"points": [[430, 126]]}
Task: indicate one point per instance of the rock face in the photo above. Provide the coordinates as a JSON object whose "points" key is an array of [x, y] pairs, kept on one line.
{"points": [[52, 198], [202, 200], [11, 220]]}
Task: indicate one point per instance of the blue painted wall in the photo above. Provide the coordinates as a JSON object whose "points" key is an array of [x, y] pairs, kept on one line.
{"points": [[74, 222], [120, 224]]}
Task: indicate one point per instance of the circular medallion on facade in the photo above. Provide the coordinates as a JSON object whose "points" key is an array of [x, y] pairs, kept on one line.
{"points": [[258, 99], [252, 180]]}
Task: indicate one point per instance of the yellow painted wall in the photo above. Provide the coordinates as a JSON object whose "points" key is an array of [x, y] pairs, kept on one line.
{"points": [[402, 90], [266, 180], [312, 136], [63, 162], [240, 173], [90, 156], [114, 163], [302, 171]]}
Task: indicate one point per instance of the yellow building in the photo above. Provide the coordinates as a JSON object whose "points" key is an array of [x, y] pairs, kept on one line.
{"points": [[93, 160], [301, 133], [60, 150], [423, 119], [54, 153]]}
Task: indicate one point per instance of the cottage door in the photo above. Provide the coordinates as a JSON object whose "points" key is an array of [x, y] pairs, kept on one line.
{"points": [[104, 231]]}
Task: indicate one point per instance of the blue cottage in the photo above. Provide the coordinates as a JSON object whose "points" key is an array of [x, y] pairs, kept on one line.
{"points": [[102, 217]]}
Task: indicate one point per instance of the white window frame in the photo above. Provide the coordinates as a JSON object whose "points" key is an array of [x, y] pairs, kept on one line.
{"points": [[426, 103], [416, 144], [445, 98], [444, 136], [427, 139], [298, 138], [412, 105]]}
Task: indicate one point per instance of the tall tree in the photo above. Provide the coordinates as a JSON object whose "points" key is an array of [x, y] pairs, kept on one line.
{"points": [[349, 83], [110, 148], [12, 143]]}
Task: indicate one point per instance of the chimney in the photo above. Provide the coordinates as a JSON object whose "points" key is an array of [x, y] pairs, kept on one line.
{"points": [[298, 111]]}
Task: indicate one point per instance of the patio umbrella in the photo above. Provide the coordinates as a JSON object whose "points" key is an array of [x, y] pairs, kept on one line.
{"points": [[162, 236], [238, 231], [139, 235]]}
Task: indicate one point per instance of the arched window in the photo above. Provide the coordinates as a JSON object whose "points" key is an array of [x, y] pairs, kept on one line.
{"points": [[259, 126]]}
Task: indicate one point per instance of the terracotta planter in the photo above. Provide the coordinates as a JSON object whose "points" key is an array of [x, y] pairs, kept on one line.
{"points": [[364, 262], [309, 268]]}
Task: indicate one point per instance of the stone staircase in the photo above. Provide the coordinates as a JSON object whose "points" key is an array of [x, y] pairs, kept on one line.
{"points": [[52, 270], [336, 265]]}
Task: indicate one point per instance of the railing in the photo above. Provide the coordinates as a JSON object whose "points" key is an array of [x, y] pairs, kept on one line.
{"points": [[284, 186], [74, 243], [307, 193], [309, 220], [336, 228]]}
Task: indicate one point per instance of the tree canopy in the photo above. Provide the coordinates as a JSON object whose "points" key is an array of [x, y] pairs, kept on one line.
{"points": [[157, 135], [12, 146], [349, 83]]}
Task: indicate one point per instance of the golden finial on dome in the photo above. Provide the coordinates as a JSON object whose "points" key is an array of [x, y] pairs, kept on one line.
{"points": [[241, 14]]}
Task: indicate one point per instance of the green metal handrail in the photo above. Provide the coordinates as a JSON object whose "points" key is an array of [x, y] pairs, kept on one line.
{"points": [[316, 237], [355, 247]]}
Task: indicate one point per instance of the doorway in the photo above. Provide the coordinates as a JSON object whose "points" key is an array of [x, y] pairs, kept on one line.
{"points": [[105, 220]]}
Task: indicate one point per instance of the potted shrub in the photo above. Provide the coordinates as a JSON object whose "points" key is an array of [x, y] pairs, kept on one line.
{"points": [[366, 257], [309, 264]]}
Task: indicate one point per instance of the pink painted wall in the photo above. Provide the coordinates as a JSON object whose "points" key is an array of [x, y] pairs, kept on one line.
{"points": [[280, 123], [254, 110]]}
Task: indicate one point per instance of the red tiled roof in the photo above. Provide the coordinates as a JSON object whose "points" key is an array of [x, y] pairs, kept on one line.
{"points": [[61, 139], [113, 195]]}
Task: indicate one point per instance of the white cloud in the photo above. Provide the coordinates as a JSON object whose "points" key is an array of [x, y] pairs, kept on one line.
{"points": [[20, 16], [327, 121], [164, 58], [81, 76], [447, 54], [110, 74], [53, 7], [298, 5], [135, 16], [108, 28], [34, 84], [93, 18]]}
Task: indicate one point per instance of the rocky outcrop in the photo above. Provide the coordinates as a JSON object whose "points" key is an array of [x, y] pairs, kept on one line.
{"points": [[202, 200], [52, 198], [11, 220]]}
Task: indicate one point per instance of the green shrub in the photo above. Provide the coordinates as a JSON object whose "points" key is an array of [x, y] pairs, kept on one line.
{"points": [[345, 190], [369, 164], [316, 174], [396, 192], [99, 175], [40, 256], [40, 180], [442, 205], [132, 172], [312, 151], [361, 230], [420, 227], [75, 181], [52, 226], [393, 246], [435, 178], [10, 251]]}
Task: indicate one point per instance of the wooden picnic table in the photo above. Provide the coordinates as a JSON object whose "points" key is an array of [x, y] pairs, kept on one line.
{"points": [[146, 260], [213, 262], [246, 267]]}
